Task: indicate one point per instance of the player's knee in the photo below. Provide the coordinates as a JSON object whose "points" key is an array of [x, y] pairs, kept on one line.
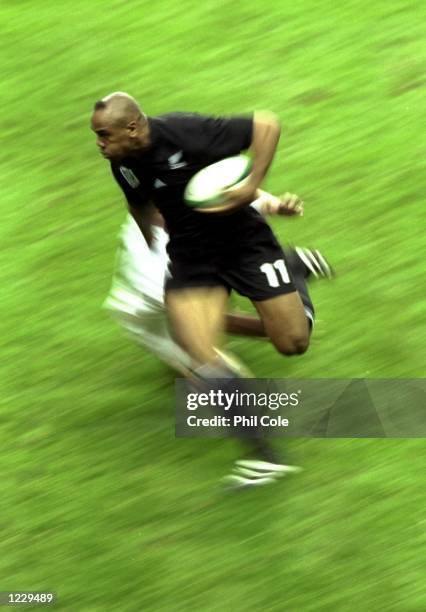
{"points": [[295, 344]]}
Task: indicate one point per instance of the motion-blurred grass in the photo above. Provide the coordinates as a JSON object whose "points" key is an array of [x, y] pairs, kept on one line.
{"points": [[99, 502]]}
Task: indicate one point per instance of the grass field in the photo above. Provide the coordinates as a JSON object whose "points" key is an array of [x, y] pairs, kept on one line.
{"points": [[98, 501]]}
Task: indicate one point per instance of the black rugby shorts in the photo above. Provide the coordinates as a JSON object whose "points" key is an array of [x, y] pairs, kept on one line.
{"points": [[257, 271]]}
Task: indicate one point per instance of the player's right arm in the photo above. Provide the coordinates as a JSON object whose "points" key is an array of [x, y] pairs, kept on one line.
{"points": [[138, 196], [144, 219]]}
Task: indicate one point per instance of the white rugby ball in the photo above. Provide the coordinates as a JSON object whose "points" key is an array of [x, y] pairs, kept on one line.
{"points": [[205, 189]]}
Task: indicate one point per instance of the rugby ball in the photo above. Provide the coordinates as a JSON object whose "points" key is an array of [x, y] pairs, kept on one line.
{"points": [[205, 189]]}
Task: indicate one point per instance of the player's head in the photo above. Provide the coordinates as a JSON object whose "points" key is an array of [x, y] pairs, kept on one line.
{"points": [[121, 127]]}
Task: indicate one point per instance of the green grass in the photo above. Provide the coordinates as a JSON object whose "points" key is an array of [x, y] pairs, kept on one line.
{"points": [[98, 501]]}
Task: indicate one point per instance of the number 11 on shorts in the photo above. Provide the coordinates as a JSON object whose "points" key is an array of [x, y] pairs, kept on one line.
{"points": [[275, 271]]}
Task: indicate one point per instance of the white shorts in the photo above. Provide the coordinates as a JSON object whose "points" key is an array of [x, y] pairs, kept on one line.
{"points": [[136, 297]]}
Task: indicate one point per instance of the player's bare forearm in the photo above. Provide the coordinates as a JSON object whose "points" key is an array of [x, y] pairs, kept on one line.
{"points": [[143, 218], [244, 325], [266, 134]]}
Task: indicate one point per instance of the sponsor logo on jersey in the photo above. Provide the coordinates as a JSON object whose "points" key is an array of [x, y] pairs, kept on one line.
{"points": [[130, 177], [175, 161], [158, 184]]}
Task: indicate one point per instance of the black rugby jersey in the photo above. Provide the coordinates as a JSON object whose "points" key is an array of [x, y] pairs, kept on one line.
{"points": [[183, 144]]}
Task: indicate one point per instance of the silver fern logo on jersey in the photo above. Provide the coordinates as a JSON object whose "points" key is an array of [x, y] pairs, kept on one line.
{"points": [[176, 161], [130, 177]]}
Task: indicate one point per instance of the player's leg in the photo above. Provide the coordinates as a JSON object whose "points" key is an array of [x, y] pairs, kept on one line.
{"points": [[263, 274], [304, 265], [148, 329], [197, 315], [285, 322], [197, 318]]}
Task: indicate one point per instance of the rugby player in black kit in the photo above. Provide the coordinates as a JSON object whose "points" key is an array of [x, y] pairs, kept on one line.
{"points": [[152, 159]]}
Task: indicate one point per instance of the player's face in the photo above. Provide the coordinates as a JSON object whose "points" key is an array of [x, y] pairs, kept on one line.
{"points": [[114, 141]]}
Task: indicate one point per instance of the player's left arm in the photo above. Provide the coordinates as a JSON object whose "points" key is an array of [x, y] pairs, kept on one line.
{"points": [[265, 136]]}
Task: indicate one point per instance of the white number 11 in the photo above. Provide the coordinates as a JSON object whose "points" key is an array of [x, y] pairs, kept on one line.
{"points": [[271, 272]]}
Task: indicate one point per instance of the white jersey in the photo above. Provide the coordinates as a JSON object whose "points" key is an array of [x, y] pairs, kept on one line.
{"points": [[140, 271], [136, 297]]}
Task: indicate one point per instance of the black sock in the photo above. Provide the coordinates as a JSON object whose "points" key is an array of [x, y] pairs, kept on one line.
{"points": [[299, 273]]}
